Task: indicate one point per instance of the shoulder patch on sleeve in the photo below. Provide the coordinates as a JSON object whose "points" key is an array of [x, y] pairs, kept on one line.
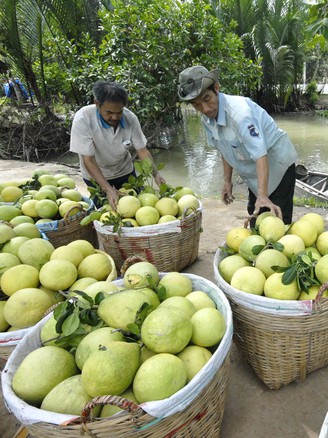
{"points": [[252, 130]]}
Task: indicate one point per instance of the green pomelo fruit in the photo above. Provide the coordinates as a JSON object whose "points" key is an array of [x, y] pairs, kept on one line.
{"points": [[152, 297], [147, 216], [269, 258], [292, 245], [55, 189], [68, 397], [129, 222], [321, 269], [166, 330], [187, 204], [274, 288], [27, 230], [84, 246], [72, 195], [111, 370], [28, 208], [235, 236], [45, 194], [7, 261], [69, 208], [145, 354], [38, 172], [59, 176], [97, 266], [176, 284], [119, 309], [260, 218], [200, 299], [183, 191], [11, 194], [19, 277], [272, 228], [100, 286], [4, 325], [65, 252], [47, 179], [181, 303], [315, 254], [55, 296], [149, 189], [305, 230], [82, 283], [6, 233], [141, 274], [66, 182], [8, 212], [26, 307], [194, 358], [229, 265], [322, 243], [208, 327], [249, 279], [167, 206], [48, 334], [46, 208], [248, 247], [58, 274], [131, 192], [166, 218], [312, 293], [127, 206], [35, 252], [99, 338], [21, 220], [317, 220], [159, 377], [109, 410], [148, 199], [41, 371]]}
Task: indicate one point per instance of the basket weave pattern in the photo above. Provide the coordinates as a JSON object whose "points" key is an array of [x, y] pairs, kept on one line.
{"points": [[167, 251]]}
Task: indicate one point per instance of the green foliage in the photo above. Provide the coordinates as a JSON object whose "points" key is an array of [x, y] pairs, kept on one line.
{"points": [[311, 93]]}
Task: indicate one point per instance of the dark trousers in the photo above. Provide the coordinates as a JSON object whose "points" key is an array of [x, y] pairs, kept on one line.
{"points": [[282, 196], [115, 182]]}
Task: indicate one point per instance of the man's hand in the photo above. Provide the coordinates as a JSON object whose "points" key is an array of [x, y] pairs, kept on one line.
{"points": [[159, 179], [226, 193], [112, 196], [264, 201]]}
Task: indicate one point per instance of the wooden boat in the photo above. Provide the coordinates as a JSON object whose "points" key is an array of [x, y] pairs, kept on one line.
{"points": [[311, 184]]}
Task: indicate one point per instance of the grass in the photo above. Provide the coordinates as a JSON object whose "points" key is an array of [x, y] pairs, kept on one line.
{"points": [[310, 202]]}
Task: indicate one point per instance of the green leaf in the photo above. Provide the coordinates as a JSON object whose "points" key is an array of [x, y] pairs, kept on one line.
{"points": [[71, 324], [278, 246], [134, 329], [257, 249], [290, 275], [161, 292]]}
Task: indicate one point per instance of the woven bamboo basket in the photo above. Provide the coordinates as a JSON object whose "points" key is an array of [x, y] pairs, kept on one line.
{"points": [[283, 341], [169, 246], [196, 410], [63, 231]]}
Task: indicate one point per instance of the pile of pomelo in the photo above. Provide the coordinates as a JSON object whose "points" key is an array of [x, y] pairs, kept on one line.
{"points": [[43, 198], [155, 334], [33, 271], [276, 260]]}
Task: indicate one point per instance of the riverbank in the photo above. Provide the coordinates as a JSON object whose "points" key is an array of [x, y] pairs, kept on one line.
{"points": [[252, 410]]}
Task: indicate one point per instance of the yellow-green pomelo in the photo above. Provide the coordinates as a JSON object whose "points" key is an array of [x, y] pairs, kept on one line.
{"points": [[306, 230], [7, 260], [8, 212], [100, 286], [29, 208], [45, 194], [141, 274], [72, 195], [41, 371], [108, 216], [96, 265], [6, 233], [292, 245], [119, 309], [19, 277], [85, 205], [47, 179], [260, 218], [249, 279], [54, 295], [166, 330], [148, 199], [235, 236], [145, 354], [68, 397], [312, 293], [315, 254], [321, 269], [127, 206], [48, 334], [21, 219], [147, 216], [316, 219], [66, 182], [65, 252], [59, 176], [167, 205], [159, 377], [187, 204], [152, 297], [129, 222], [131, 192], [54, 189], [183, 191], [208, 327], [268, 258], [109, 410], [91, 342], [61, 201], [38, 172], [82, 283], [69, 208], [46, 208], [4, 325], [35, 252], [43, 221], [274, 288], [194, 357], [84, 246], [176, 284], [322, 243], [11, 194], [58, 274], [272, 228], [200, 299], [111, 370], [27, 230], [229, 265], [181, 303], [26, 307], [248, 247], [166, 218]]}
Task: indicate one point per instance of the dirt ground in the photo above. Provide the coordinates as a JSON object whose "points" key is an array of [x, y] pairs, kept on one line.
{"points": [[252, 410]]}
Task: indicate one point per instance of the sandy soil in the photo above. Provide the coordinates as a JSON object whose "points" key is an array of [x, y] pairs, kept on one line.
{"points": [[252, 410]]}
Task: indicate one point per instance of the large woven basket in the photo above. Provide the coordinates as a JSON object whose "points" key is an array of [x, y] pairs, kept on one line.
{"points": [[283, 341], [194, 411], [169, 246], [63, 231]]}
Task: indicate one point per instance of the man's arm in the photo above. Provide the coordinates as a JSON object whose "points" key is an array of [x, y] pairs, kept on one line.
{"points": [[144, 154], [262, 170], [226, 193]]}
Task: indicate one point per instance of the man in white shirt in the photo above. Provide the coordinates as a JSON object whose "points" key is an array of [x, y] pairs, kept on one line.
{"points": [[249, 141], [102, 134]]}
